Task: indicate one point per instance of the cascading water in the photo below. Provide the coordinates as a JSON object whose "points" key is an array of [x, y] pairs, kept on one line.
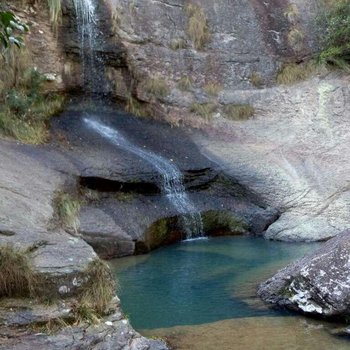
{"points": [[172, 179], [92, 66]]}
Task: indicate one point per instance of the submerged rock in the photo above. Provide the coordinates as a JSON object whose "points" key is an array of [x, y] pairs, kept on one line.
{"points": [[318, 284]]}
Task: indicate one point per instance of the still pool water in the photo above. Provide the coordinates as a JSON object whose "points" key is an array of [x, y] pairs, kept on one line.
{"points": [[201, 282]]}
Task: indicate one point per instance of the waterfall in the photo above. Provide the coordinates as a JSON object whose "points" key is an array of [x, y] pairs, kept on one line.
{"points": [[92, 65], [172, 179]]}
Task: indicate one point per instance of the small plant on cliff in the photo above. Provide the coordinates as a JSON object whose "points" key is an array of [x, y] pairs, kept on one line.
{"points": [[336, 41], [293, 73], [197, 29], [97, 292], [212, 88], [157, 86], [178, 44], [256, 79], [136, 107], [26, 110], [239, 112], [68, 209], [204, 110], [55, 8], [17, 278], [185, 83], [11, 28]]}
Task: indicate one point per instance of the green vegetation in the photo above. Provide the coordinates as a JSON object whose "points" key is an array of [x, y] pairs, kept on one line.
{"points": [[337, 39], [26, 110], [198, 29], [156, 86], [212, 88], [11, 28], [185, 83], [256, 80], [68, 208], [17, 278], [97, 292], [293, 73], [238, 112], [204, 110]]}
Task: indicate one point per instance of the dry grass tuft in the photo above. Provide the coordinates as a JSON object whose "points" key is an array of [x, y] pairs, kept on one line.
{"points": [[204, 110], [185, 83], [198, 29], [293, 73], [212, 88], [292, 13], [296, 38], [17, 278], [97, 292], [135, 107], [68, 209], [55, 8], [238, 112], [178, 44], [256, 80], [156, 86]]}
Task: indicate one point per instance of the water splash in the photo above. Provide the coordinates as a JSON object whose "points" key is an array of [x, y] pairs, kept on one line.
{"points": [[172, 179], [92, 66]]}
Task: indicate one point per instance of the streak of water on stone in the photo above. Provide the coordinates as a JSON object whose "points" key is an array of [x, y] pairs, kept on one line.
{"points": [[172, 179], [92, 68]]}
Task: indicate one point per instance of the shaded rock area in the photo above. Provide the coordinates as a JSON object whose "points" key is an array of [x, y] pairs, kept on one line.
{"points": [[318, 284], [122, 190]]}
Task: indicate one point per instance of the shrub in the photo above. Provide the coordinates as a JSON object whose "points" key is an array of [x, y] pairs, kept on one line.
{"points": [[197, 29], [293, 73], [17, 278], [239, 112], [157, 86], [25, 111], [336, 40], [204, 110], [212, 88]]}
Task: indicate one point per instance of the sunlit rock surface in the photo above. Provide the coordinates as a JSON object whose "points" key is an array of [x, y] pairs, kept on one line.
{"points": [[318, 284]]}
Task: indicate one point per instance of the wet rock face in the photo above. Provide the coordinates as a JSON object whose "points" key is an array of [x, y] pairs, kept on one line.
{"points": [[246, 38], [318, 284], [108, 51]]}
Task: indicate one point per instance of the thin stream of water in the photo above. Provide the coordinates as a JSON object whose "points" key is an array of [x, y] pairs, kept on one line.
{"points": [[172, 179], [92, 68]]}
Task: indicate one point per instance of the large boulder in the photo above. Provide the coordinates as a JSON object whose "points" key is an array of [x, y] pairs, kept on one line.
{"points": [[318, 284]]}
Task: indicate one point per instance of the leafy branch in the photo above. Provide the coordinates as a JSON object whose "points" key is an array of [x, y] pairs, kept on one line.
{"points": [[11, 30]]}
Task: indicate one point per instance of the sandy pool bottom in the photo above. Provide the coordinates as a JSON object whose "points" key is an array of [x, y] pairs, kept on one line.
{"points": [[253, 333]]}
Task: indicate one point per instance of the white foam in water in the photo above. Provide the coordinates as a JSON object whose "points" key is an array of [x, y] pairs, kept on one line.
{"points": [[172, 184]]}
